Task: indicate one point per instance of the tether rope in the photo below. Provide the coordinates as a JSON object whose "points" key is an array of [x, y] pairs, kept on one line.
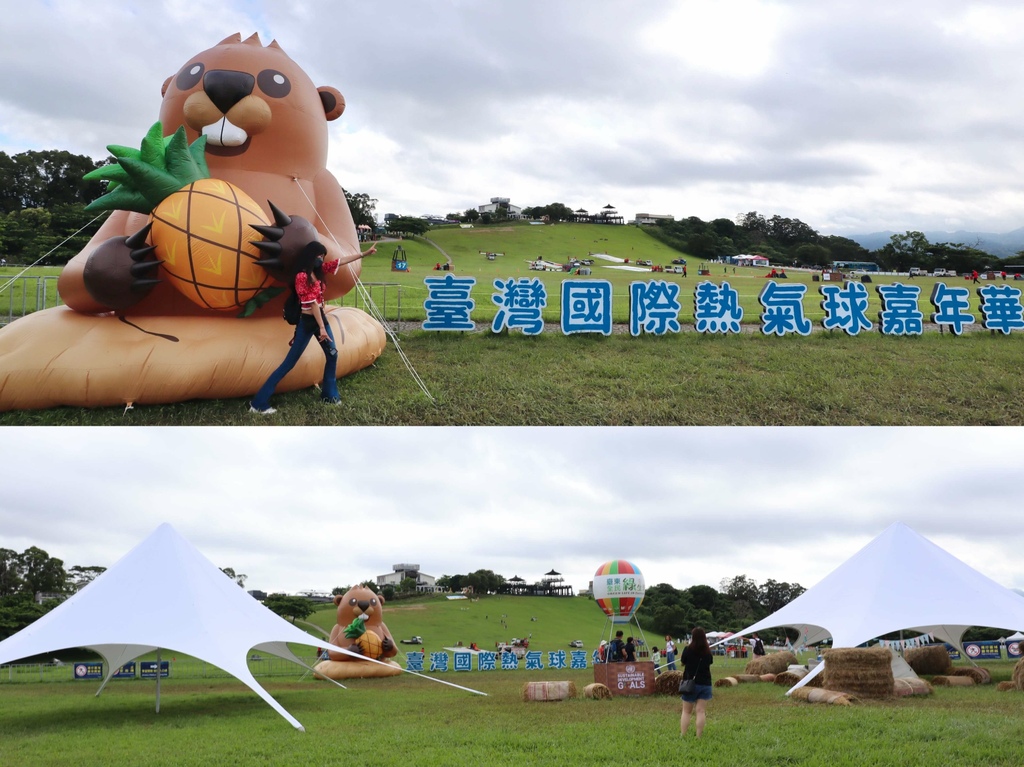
{"points": [[371, 306], [55, 247]]}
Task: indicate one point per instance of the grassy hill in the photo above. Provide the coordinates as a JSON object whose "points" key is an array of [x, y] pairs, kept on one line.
{"points": [[549, 622]]}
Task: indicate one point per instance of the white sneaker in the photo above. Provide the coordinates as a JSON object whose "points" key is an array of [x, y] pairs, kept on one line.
{"points": [[268, 411]]}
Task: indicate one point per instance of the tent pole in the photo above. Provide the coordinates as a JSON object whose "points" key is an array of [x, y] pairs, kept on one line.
{"points": [[158, 680]]}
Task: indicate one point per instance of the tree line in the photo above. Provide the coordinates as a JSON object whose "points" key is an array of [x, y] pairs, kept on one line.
{"points": [[43, 197]]}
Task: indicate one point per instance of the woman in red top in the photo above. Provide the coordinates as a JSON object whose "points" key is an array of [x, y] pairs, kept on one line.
{"points": [[309, 286]]}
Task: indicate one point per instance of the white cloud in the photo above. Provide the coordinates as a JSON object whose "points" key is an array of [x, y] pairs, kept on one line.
{"points": [[318, 508], [849, 116]]}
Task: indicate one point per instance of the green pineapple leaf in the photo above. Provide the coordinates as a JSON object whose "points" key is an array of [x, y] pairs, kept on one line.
{"points": [[181, 163], [144, 177], [355, 629], [152, 151]]}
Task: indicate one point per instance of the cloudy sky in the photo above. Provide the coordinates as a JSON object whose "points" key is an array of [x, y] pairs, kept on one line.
{"points": [[852, 116], [299, 509]]}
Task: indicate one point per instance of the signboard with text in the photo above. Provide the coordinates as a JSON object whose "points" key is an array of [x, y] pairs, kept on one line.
{"points": [[626, 678]]}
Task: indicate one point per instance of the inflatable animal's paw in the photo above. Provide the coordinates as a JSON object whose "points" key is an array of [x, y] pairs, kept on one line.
{"points": [[282, 243], [122, 270]]}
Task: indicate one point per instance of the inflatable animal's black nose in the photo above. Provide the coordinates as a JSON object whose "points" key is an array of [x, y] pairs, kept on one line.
{"points": [[363, 605], [226, 88]]}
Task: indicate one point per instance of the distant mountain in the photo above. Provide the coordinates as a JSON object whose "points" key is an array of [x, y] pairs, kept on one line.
{"points": [[999, 245]]}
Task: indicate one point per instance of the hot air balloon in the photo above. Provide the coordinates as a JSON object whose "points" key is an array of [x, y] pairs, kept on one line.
{"points": [[619, 589]]}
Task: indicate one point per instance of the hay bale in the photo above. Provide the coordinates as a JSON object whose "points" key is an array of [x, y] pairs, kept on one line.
{"points": [[1004, 686], [767, 677], [904, 686], [1018, 675], [928, 660], [597, 691], [537, 691], [772, 663], [746, 678], [979, 675], [943, 680], [667, 683], [727, 681], [789, 678], [863, 671], [818, 695]]}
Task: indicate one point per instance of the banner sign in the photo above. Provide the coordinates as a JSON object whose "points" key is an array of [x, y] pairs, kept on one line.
{"points": [[1014, 650], [127, 671], [88, 671], [626, 678], [494, 661], [147, 669], [982, 650], [654, 306], [954, 654]]}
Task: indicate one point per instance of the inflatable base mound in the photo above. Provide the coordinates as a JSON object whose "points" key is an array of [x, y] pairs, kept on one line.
{"points": [[61, 357], [354, 669]]}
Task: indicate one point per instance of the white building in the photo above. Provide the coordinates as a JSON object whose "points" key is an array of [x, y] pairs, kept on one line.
{"points": [[402, 571], [649, 219], [514, 211]]}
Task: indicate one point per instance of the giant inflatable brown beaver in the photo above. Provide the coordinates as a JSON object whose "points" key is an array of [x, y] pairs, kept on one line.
{"points": [[127, 334]]}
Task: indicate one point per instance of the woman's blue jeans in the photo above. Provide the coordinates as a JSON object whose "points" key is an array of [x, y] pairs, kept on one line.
{"points": [[306, 329]]}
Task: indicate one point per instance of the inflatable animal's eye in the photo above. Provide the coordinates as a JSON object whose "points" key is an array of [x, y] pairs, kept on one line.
{"points": [[353, 601], [190, 76], [373, 601], [273, 83]]}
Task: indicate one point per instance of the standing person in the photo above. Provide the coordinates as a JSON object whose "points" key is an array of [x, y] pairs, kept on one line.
{"points": [[758, 649], [616, 649], [630, 650], [309, 286], [670, 653], [697, 660], [656, 659]]}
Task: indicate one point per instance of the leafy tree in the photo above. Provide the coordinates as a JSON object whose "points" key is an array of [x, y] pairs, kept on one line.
{"points": [[407, 586], [813, 255], [471, 215], [10, 573], [19, 610], [296, 608], [906, 250], [408, 225], [41, 572], [388, 592], [238, 578], [363, 208], [773, 595], [483, 581], [79, 577]]}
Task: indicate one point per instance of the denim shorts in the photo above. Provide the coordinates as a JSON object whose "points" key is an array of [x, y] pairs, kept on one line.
{"points": [[700, 692]]}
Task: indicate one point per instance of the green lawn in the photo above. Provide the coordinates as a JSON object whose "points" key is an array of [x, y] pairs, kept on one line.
{"points": [[479, 378], [408, 720]]}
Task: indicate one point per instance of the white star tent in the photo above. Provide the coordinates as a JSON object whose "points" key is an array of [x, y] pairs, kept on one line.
{"points": [[898, 581], [165, 594]]}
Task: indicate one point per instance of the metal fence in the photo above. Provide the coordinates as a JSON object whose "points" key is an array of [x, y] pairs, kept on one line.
{"points": [[188, 668], [26, 294], [23, 295]]}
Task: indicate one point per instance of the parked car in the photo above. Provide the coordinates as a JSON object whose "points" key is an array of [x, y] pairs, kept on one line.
{"points": [[917, 271], [678, 260], [576, 643], [644, 262]]}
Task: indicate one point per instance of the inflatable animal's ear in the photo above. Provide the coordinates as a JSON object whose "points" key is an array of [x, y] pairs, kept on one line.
{"points": [[333, 101], [338, 598]]}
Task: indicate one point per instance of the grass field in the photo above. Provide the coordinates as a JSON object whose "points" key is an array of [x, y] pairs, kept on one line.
{"points": [[407, 720], [479, 378]]}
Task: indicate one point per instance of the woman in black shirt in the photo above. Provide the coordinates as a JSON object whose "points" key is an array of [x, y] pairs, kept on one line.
{"points": [[697, 659]]}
